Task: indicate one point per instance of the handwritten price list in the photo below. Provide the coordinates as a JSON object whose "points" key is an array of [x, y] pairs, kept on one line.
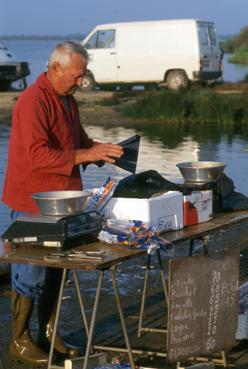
{"points": [[203, 302]]}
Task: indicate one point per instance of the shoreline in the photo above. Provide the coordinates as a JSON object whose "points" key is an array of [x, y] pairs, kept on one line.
{"points": [[94, 112]]}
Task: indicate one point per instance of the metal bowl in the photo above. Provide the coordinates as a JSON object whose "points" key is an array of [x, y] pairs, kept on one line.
{"points": [[61, 202], [201, 171]]}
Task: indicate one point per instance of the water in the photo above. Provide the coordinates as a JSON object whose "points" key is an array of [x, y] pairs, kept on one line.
{"points": [[234, 72], [162, 147], [36, 53]]}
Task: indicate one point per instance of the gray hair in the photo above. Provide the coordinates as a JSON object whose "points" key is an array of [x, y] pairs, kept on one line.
{"points": [[62, 52]]}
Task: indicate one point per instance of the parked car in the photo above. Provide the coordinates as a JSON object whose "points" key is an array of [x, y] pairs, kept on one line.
{"points": [[11, 69], [173, 52]]}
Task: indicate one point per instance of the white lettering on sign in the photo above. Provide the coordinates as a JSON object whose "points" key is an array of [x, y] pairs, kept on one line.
{"points": [[203, 299]]}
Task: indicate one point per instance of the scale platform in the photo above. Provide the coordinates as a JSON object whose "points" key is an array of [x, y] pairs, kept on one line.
{"points": [[54, 231]]}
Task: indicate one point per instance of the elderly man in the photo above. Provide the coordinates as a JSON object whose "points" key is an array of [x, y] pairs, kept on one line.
{"points": [[47, 145]]}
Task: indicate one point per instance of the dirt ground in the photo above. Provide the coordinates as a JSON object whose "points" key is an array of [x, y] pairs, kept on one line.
{"points": [[90, 107], [130, 276]]}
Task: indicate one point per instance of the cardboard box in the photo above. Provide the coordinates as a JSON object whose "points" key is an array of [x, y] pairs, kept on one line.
{"points": [[165, 211], [197, 207]]}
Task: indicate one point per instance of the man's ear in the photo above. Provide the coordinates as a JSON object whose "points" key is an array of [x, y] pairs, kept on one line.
{"points": [[55, 67]]}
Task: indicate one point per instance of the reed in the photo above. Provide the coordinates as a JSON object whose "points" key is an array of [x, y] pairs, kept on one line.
{"points": [[198, 106]]}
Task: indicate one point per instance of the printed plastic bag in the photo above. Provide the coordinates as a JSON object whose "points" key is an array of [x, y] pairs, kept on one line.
{"points": [[102, 195], [134, 233]]}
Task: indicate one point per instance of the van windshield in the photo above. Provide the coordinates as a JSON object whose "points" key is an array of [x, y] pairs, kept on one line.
{"points": [[2, 46], [102, 39]]}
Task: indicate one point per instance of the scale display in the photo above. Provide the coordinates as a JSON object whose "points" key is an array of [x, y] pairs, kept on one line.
{"points": [[53, 231]]}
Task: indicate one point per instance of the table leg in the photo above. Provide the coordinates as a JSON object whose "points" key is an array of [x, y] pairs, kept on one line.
{"points": [[205, 240], [93, 320], [191, 246], [118, 302], [61, 291], [82, 308], [162, 277], [2, 366], [143, 298]]}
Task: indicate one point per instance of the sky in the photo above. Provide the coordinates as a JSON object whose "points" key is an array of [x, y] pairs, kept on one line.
{"points": [[62, 17]]}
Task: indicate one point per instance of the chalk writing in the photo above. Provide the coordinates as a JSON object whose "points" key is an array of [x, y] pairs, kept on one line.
{"points": [[203, 295]]}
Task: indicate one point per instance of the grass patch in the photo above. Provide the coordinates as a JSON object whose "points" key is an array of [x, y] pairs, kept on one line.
{"points": [[199, 106]]}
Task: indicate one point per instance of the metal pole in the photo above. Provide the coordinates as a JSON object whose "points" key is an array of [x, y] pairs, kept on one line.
{"points": [[162, 277], [81, 303], [61, 290], [143, 297], [134, 351], [118, 302], [2, 366], [93, 320], [191, 246]]}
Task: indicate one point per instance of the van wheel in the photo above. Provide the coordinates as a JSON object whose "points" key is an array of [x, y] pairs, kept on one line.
{"points": [[88, 82], [177, 80]]}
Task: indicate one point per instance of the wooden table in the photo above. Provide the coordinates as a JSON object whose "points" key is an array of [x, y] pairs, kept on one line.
{"points": [[220, 220], [113, 255]]}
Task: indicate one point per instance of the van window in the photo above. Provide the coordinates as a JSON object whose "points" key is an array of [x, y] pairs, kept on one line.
{"points": [[2, 46], [91, 43], [203, 36], [212, 35], [102, 39]]}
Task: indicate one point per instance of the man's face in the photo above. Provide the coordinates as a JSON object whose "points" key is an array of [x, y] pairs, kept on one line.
{"points": [[67, 78]]}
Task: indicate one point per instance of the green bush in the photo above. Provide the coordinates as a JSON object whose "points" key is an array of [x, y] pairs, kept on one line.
{"points": [[228, 45], [240, 56]]}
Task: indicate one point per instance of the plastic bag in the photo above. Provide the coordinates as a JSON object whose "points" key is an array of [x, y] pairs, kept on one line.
{"points": [[134, 233], [102, 195]]}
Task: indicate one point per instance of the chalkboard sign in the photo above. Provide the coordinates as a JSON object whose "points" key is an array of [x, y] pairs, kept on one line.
{"points": [[203, 304]]}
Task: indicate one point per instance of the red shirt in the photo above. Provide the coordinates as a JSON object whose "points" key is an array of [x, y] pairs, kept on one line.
{"points": [[43, 140]]}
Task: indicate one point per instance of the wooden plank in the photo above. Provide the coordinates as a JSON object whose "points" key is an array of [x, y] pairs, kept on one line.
{"points": [[221, 220], [33, 254], [114, 254]]}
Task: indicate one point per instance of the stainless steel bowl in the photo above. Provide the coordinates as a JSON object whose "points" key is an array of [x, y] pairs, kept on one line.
{"points": [[201, 171], [61, 202]]}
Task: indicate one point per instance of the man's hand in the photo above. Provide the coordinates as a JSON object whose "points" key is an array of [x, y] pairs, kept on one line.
{"points": [[107, 152]]}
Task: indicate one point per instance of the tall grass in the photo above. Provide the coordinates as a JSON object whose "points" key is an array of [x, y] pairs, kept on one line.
{"points": [[200, 106]]}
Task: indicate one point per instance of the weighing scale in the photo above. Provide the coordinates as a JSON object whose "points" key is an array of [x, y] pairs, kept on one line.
{"points": [[54, 231]]}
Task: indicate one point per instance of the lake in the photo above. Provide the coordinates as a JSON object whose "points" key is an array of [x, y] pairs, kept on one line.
{"points": [[36, 53], [162, 146]]}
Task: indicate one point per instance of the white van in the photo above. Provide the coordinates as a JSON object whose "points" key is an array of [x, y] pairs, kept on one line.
{"points": [[168, 51]]}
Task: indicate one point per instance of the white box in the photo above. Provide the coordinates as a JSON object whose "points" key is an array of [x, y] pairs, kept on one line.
{"points": [[165, 211], [242, 329], [197, 207]]}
